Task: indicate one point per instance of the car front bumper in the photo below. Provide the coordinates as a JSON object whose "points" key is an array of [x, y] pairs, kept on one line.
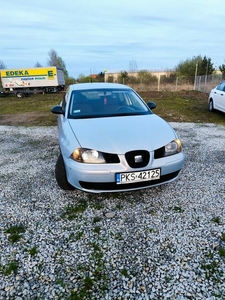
{"points": [[98, 178]]}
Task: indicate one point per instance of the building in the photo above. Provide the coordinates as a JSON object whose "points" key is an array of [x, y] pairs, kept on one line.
{"points": [[113, 76]]}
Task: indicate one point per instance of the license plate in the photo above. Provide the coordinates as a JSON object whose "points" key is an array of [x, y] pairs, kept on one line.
{"points": [[122, 178]]}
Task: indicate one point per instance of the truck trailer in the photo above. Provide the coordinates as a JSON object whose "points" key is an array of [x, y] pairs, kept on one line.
{"points": [[29, 81]]}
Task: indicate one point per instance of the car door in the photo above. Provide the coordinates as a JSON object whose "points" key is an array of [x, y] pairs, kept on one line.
{"points": [[220, 97]]}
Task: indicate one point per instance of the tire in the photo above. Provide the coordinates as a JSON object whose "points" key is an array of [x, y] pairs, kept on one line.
{"points": [[60, 175], [210, 107], [19, 95]]}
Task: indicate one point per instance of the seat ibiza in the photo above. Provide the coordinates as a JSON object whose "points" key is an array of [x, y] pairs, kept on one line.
{"points": [[110, 141]]}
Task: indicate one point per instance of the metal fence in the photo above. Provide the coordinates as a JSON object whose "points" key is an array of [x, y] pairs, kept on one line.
{"points": [[162, 83], [207, 82]]}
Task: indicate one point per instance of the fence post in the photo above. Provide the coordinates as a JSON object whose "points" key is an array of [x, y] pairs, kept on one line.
{"points": [[159, 82], [196, 72], [176, 82]]}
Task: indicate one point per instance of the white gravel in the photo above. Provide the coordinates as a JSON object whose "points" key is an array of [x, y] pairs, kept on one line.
{"points": [[162, 243]]}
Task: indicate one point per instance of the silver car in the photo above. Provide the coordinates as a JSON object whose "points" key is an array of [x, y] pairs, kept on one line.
{"points": [[111, 141], [217, 98]]}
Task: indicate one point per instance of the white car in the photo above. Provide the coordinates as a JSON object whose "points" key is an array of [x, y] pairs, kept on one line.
{"points": [[111, 141], [217, 98]]}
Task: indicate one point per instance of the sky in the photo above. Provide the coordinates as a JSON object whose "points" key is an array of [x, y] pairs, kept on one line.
{"points": [[93, 36]]}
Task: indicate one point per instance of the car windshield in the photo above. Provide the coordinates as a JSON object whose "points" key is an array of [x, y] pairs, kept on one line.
{"points": [[106, 103]]}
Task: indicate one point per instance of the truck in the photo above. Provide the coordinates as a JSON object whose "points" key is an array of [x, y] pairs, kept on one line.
{"points": [[31, 81]]}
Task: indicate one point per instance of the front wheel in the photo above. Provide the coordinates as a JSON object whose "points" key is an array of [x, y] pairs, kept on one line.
{"points": [[60, 175], [210, 107]]}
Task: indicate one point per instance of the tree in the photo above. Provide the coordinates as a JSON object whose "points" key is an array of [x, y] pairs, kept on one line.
{"points": [[38, 65], [2, 65], [145, 77], [205, 67], [133, 68], [222, 70], [70, 80], [194, 66], [82, 78], [133, 79], [123, 77], [57, 61], [100, 77]]}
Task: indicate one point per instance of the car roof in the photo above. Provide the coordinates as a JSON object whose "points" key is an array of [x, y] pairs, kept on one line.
{"points": [[97, 85]]}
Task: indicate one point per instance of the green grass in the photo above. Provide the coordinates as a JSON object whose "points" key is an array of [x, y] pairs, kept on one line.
{"points": [[33, 251], [33, 103], [71, 212], [216, 220], [33, 110], [15, 233], [12, 267], [187, 106], [178, 209], [181, 106]]}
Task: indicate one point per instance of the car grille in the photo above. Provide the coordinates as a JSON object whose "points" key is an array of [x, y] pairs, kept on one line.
{"points": [[137, 158], [104, 186]]}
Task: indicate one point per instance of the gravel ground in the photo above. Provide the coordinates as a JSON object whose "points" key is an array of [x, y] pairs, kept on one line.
{"points": [[162, 243]]}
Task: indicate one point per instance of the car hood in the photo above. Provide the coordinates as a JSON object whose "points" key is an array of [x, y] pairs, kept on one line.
{"points": [[122, 134]]}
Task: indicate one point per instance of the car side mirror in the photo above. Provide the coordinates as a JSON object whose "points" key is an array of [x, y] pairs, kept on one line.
{"points": [[151, 105], [58, 110]]}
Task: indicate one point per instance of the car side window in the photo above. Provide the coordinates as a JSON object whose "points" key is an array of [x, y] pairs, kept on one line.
{"points": [[221, 86]]}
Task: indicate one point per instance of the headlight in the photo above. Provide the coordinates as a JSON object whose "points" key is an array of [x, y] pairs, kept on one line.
{"points": [[88, 156], [173, 147]]}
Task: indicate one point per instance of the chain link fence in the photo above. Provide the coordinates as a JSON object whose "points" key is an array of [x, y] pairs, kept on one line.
{"points": [[207, 82], [163, 83]]}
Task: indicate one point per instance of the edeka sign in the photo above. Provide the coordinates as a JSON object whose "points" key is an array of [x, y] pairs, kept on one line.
{"points": [[17, 73], [49, 72]]}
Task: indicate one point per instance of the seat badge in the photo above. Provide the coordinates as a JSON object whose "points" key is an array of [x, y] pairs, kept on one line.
{"points": [[138, 158]]}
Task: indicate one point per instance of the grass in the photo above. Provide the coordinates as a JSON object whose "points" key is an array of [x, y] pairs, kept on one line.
{"points": [[223, 237], [94, 281], [178, 209], [216, 220], [189, 106], [212, 271], [15, 233], [32, 251], [71, 212], [32, 103], [32, 110], [180, 106], [12, 267]]}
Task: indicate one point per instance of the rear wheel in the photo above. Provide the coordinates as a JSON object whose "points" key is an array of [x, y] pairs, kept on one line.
{"points": [[60, 175], [211, 108], [19, 95]]}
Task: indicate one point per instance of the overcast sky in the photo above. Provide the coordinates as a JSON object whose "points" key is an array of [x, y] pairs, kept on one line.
{"points": [[97, 35]]}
